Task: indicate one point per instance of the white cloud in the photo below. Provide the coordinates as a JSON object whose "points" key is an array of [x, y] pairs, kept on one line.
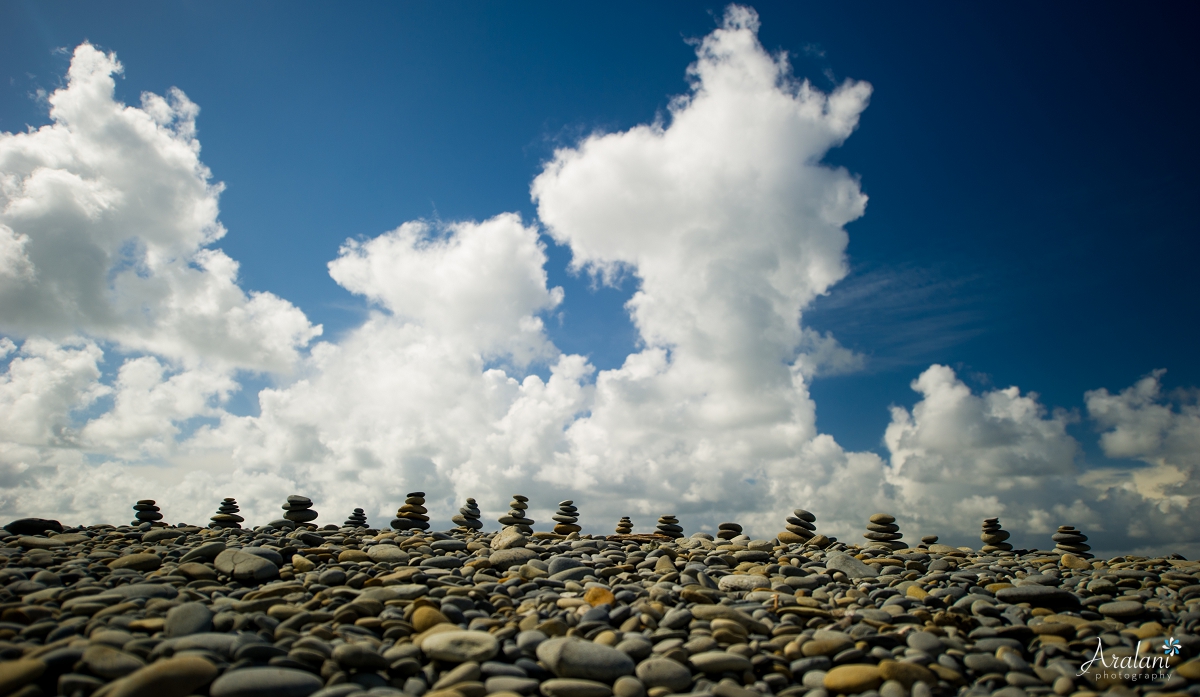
{"points": [[105, 215]]}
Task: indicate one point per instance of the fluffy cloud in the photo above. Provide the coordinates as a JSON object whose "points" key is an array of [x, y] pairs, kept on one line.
{"points": [[105, 218]]}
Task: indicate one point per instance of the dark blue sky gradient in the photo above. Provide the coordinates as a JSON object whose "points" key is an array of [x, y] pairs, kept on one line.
{"points": [[1031, 168]]}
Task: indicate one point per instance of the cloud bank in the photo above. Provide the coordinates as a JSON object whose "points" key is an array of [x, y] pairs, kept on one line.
{"points": [[128, 331]]}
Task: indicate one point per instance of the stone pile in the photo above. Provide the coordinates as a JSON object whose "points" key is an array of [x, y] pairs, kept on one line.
{"points": [[669, 525], [468, 518], [565, 518], [929, 540], [728, 531], [883, 532], [298, 510], [227, 515], [357, 519], [412, 515], [147, 512], [516, 515], [625, 526], [167, 612], [1068, 540], [993, 537], [801, 527]]}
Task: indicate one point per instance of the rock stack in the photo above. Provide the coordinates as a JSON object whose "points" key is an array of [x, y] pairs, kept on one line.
{"points": [[357, 519], [929, 540], [625, 526], [993, 537], [516, 515], [227, 515], [147, 512], [800, 527], [468, 517], [883, 532], [1068, 540], [669, 525], [298, 509], [728, 531], [565, 518], [412, 515]]}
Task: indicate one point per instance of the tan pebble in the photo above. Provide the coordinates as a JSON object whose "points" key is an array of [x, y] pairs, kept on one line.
{"points": [[599, 596], [18, 673], [354, 555], [168, 677], [1189, 670], [137, 562], [825, 647], [916, 592], [426, 617], [852, 679], [1073, 562]]}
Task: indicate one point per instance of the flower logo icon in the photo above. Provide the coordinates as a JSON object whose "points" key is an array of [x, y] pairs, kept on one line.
{"points": [[1171, 647]]}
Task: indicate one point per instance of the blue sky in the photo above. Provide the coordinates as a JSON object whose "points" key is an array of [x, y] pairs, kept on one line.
{"points": [[1031, 215]]}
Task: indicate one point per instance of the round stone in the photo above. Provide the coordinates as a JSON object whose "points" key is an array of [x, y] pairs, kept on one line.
{"points": [[387, 553], [852, 679], [664, 672], [569, 657], [460, 646], [1122, 609], [882, 519], [245, 567], [266, 682], [720, 662], [188, 618], [426, 617], [110, 663]]}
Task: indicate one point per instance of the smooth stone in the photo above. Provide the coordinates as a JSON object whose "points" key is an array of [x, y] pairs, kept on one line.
{"points": [[1122, 609], [906, 673], [985, 663], [269, 554], [387, 553], [664, 672], [1038, 596], [110, 663], [562, 563], [460, 646], [570, 687], [576, 574], [852, 679], [628, 686], [188, 618], [509, 538], [266, 682], [720, 662], [358, 656], [925, 641], [33, 526], [19, 673], [137, 562], [514, 556], [853, 568], [169, 677], [424, 618], [208, 550], [742, 582], [242, 566], [569, 657]]}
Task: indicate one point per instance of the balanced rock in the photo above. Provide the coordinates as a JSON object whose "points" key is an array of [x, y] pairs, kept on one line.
{"points": [[357, 519], [516, 515], [929, 540], [1068, 540], [147, 512], [412, 515], [669, 525], [993, 537], [468, 518], [625, 526], [728, 531], [800, 527], [565, 518], [298, 509], [227, 516], [883, 532]]}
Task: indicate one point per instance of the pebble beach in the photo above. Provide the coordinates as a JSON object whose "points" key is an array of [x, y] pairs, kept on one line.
{"points": [[300, 608]]}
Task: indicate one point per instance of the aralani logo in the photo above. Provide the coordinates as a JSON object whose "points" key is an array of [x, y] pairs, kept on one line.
{"points": [[1131, 668]]}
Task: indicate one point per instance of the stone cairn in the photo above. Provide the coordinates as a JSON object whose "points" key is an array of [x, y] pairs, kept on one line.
{"points": [[565, 518], [669, 525], [625, 526], [802, 525], [516, 515], [412, 515], [993, 537], [728, 531], [1068, 540], [298, 510], [883, 532], [929, 540], [468, 517], [227, 515], [147, 512], [357, 519]]}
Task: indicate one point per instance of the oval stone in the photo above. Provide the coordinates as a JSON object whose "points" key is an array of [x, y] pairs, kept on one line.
{"points": [[664, 672], [568, 687], [743, 582], [851, 679], [720, 662], [1122, 609], [266, 682], [569, 657], [242, 566], [170, 677], [137, 562], [387, 553], [459, 646]]}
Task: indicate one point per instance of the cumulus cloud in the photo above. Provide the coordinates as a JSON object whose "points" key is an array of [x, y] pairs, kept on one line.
{"points": [[105, 218]]}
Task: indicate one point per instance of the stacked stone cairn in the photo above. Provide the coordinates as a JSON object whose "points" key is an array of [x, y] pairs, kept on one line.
{"points": [[625, 526], [357, 519], [564, 519], [669, 525], [1068, 540], [801, 527], [728, 531], [993, 537], [227, 516], [412, 515], [516, 515], [929, 540], [147, 512], [883, 533], [298, 510], [468, 518]]}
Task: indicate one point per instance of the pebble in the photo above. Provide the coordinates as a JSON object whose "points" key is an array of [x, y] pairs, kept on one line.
{"points": [[188, 618], [266, 682], [569, 657], [664, 672], [569, 687], [459, 646], [168, 677], [850, 679]]}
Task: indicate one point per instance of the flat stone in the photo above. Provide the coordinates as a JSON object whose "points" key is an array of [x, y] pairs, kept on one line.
{"points": [[1122, 609], [569, 657], [19, 673], [459, 646], [515, 556], [266, 682], [925, 641], [110, 663], [1038, 596], [242, 566], [664, 672], [33, 526], [853, 568], [387, 553], [169, 677], [743, 582], [851, 679], [511, 683], [188, 618], [137, 562], [424, 618], [509, 538], [358, 656], [826, 647], [720, 662], [570, 687], [906, 673]]}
